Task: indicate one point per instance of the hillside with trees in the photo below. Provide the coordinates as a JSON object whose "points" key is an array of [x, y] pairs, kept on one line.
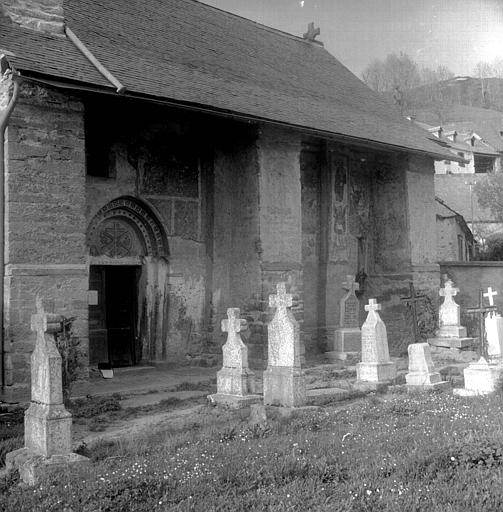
{"points": [[436, 96]]}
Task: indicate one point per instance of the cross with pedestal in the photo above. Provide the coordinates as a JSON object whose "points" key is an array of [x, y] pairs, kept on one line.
{"points": [[490, 294], [373, 306], [233, 324], [412, 301], [281, 300], [350, 284], [481, 310]]}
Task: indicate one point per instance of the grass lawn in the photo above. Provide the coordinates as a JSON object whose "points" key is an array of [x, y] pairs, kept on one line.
{"points": [[432, 452]]}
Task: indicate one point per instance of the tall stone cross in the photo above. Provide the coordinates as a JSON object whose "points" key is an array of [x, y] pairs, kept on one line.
{"points": [[350, 284], [281, 300], [312, 32], [490, 294], [481, 311], [412, 301]]}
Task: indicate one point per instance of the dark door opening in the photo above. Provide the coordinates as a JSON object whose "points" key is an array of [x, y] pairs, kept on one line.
{"points": [[112, 319]]}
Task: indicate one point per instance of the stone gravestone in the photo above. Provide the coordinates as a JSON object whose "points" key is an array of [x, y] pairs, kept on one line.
{"points": [[376, 366], [347, 337], [284, 380], [450, 334], [494, 331], [47, 424], [422, 374], [235, 381], [481, 378]]}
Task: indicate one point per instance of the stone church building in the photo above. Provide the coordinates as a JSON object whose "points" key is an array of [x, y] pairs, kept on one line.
{"points": [[165, 161]]}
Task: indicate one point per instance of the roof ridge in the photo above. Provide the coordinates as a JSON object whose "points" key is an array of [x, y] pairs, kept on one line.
{"points": [[258, 24]]}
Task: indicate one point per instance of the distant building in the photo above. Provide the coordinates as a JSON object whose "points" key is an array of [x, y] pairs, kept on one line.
{"points": [[455, 241], [455, 181]]}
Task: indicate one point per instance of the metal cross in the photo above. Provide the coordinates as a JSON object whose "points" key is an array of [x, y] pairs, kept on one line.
{"points": [[282, 300], [481, 311], [233, 324], [412, 301], [350, 284], [490, 294], [312, 32], [373, 306]]}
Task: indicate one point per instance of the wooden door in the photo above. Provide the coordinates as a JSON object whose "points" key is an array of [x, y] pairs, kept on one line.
{"points": [[112, 319]]}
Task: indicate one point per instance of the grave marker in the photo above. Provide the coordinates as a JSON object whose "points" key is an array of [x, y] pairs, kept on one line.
{"points": [[376, 366], [347, 337], [412, 300], [481, 311], [47, 436], [235, 381], [422, 375], [284, 380], [450, 334]]}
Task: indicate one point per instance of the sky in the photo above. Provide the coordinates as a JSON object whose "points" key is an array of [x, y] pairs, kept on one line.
{"points": [[453, 33]]}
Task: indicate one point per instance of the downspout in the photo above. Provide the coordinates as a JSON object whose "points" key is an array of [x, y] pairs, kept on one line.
{"points": [[6, 75]]}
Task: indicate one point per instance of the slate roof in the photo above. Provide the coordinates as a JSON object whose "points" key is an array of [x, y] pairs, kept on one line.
{"points": [[193, 54]]}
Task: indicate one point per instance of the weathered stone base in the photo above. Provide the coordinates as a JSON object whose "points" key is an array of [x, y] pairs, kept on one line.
{"points": [[480, 379], [48, 429], [348, 339], [453, 342], [284, 386], [234, 401], [451, 331], [32, 466], [235, 381], [441, 385], [376, 372], [422, 379]]}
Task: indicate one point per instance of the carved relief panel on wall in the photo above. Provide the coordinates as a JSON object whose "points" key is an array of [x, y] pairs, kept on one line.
{"points": [[338, 241], [349, 211]]}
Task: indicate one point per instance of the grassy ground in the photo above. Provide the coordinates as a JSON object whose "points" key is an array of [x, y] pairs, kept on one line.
{"points": [[395, 452]]}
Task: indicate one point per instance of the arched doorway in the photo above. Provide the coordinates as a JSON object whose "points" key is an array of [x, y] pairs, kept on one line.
{"points": [[128, 256]]}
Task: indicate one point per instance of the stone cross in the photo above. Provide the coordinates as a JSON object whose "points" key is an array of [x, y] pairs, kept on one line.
{"points": [[350, 284], [312, 32], [235, 353], [281, 300], [448, 291], [373, 306], [233, 324], [412, 301], [481, 311], [490, 294]]}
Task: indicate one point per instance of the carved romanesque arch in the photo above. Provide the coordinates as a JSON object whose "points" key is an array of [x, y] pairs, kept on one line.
{"points": [[125, 227]]}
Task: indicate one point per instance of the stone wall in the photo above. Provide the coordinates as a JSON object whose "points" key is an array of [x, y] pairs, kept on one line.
{"points": [[311, 162], [448, 230], [159, 158], [45, 218], [403, 244], [236, 237]]}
